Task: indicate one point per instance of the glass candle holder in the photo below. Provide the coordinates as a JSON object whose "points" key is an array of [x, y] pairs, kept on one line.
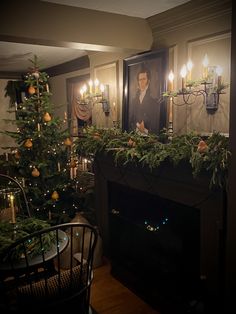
{"points": [[10, 204]]}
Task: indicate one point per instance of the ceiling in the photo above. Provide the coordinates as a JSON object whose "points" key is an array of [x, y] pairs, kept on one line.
{"points": [[14, 57], [138, 8]]}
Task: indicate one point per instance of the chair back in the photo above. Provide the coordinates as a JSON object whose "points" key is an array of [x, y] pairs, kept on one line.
{"points": [[33, 279]]}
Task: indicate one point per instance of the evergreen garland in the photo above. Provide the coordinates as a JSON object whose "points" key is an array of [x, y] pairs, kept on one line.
{"points": [[210, 154]]}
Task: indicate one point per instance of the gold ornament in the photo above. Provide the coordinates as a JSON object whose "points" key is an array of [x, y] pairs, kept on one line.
{"points": [[96, 136], [31, 90], [131, 143], [68, 141], [47, 117], [35, 172], [28, 143], [202, 147], [55, 196]]}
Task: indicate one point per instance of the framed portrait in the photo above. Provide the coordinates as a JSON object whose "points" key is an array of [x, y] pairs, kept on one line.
{"points": [[144, 107]]}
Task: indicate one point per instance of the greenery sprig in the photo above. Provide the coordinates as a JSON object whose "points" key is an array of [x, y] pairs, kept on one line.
{"points": [[24, 227], [205, 154]]}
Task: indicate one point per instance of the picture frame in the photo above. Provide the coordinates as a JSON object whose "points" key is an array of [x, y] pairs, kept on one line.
{"points": [[150, 116]]}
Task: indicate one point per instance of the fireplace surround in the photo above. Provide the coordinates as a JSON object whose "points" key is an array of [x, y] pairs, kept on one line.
{"points": [[163, 230]]}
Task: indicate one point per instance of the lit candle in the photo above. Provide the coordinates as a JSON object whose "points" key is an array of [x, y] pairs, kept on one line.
{"points": [[38, 125], [171, 110], [219, 71], [71, 173], [102, 88], [171, 81], [205, 64], [47, 88], [114, 117], [90, 86], [85, 164], [84, 90], [96, 84], [65, 116], [183, 74], [13, 214], [82, 93], [189, 67]]}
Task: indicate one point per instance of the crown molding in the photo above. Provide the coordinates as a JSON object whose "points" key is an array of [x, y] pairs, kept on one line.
{"points": [[188, 14]]}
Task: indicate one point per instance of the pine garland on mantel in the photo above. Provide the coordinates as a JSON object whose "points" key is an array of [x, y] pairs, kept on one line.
{"points": [[204, 153]]}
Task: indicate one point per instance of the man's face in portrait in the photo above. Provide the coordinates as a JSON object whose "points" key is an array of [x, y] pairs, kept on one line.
{"points": [[142, 81]]}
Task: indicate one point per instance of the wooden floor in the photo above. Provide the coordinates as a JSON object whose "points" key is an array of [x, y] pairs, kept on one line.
{"points": [[109, 296]]}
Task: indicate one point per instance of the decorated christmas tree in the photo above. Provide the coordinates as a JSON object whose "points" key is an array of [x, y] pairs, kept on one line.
{"points": [[42, 159]]}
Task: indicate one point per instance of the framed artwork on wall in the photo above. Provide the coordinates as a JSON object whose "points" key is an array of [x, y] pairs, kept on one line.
{"points": [[144, 107]]}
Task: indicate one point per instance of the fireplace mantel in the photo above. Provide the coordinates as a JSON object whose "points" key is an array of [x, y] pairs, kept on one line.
{"points": [[177, 184]]}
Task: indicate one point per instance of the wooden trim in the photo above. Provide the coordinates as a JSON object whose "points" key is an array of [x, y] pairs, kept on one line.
{"points": [[188, 14], [10, 75], [70, 66]]}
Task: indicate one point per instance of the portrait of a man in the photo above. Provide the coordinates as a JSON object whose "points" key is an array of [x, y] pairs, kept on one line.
{"points": [[143, 104], [145, 108]]}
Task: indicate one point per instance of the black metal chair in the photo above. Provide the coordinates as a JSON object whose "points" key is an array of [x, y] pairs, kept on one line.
{"points": [[34, 279]]}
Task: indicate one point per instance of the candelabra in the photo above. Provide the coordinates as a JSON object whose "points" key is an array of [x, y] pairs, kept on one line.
{"points": [[209, 86], [95, 93]]}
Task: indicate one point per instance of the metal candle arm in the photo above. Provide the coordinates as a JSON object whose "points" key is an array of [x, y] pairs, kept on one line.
{"points": [[211, 99]]}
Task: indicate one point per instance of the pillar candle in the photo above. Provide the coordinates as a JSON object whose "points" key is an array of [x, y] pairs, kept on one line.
{"points": [[205, 64], [13, 214], [171, 110], [171, 81], [71, 173]]}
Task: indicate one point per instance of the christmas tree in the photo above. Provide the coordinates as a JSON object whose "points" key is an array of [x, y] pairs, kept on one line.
{"points": [[42, 159]]}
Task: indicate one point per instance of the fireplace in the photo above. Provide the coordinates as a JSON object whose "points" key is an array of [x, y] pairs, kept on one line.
{"points": [[162, 231], [154, 244]]}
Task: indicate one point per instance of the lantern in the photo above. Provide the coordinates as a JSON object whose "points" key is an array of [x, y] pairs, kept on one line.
{"points": [[10, 204]]}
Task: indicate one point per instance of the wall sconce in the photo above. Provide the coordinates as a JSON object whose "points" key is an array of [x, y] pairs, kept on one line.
{"points": [[209, 86], [94, 92]]}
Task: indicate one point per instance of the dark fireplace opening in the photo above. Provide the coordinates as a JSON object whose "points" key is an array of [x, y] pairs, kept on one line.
{"points": [[154, 247]]}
